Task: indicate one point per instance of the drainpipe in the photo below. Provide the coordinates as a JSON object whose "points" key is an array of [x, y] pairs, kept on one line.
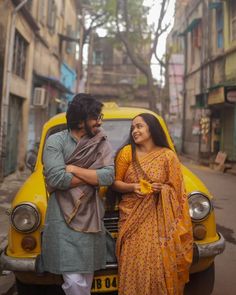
{"points": [[184, 93], [5, 98], [80, 85]]}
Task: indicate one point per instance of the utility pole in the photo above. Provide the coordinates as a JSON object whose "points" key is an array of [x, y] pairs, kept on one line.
{"points": [[90, 60], [184, 92], [80, 85]]}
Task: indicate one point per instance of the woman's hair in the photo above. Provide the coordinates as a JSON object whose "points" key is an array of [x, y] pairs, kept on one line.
{"points": [[82, 107]]}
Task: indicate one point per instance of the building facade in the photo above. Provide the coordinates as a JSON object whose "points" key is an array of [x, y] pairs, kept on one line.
{"points": [[112, 76], [37, 38], [208, 36], [18, 31], [54, 64]]}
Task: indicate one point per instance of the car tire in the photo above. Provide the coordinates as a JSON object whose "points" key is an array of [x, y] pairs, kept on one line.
{"points": [[29, 289], [201, 283]]}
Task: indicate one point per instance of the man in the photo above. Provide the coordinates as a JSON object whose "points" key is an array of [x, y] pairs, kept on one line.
{"points": [[76, 162]]}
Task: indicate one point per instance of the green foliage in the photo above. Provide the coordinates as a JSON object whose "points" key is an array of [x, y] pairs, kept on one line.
{"points": [[126, 21], [141, 81]]}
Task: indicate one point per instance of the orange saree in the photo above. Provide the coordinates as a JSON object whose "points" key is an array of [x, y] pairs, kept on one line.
{"points": [[154, 245]]}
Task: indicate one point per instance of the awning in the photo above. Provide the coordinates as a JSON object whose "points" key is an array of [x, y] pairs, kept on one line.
{"points": [[227, 84], [68, 38], [194, 23], [53, 82]]}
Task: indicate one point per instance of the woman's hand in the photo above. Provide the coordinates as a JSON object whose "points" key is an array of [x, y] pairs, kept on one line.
{"points": [[137, 189], [156, 187]]}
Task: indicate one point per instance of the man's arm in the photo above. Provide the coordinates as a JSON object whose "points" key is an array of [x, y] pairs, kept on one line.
{"points": [[75, 181], [103, 176], [54, 164], [87, 175]]}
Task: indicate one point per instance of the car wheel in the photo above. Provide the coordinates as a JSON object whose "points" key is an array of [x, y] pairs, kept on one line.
{"points": [[29, 289], [201, 283]]}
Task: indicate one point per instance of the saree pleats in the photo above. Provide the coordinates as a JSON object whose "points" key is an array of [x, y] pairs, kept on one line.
{"points": [[154, 245]]}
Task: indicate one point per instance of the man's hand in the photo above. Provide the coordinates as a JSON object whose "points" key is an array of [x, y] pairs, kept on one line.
{"points": [[71, 168], [88, 176]]}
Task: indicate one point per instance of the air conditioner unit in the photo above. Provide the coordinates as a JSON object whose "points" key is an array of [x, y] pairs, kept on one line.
{"points": [[40, 97]]}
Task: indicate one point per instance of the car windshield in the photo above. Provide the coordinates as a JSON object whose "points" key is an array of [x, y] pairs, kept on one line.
{"points": [[117, 131]]}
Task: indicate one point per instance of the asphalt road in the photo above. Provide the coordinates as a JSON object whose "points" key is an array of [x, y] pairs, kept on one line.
{"points": [[223, 188]]}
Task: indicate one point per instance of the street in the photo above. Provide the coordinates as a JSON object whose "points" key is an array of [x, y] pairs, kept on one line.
{"points": [[7, 192], [221, 185]]}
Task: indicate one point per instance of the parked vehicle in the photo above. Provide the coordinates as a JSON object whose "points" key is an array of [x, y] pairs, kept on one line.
{"points": [[30, 203]]}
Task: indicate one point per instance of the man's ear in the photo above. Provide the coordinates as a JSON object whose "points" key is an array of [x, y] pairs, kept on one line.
{"points": [[81, 125]]}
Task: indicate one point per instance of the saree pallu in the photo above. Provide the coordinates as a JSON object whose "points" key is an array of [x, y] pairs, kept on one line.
{"points": [[154, 245]]}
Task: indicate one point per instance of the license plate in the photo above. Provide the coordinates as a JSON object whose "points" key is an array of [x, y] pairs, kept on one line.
{"points": [[105, 283]]}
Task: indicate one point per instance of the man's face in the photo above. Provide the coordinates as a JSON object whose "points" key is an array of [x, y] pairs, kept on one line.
{"points": [[92, 125]]}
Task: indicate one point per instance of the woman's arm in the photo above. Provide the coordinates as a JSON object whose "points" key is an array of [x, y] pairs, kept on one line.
{"points": [[123, 160], [123, 187]]}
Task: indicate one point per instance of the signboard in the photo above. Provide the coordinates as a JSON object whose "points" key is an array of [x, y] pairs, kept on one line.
{"points": [[231, 96], [216, 96]]}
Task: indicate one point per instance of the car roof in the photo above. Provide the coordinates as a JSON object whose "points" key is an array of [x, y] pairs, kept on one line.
{"points": [[110, 110]]}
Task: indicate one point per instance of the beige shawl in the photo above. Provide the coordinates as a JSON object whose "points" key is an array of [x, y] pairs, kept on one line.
{"points": [[81, 206]]}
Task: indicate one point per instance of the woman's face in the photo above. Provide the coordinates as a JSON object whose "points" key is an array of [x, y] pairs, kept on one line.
{"points": [[140, 131]]}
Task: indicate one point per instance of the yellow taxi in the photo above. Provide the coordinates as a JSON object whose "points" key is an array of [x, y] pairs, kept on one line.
{"points": [[30, 204]]}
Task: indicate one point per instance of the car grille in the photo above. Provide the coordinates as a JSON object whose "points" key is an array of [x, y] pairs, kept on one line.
{"points": [[111, 224]]}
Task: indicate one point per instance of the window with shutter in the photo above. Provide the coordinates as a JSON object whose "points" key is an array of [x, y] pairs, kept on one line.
{"points": [[233, 19], [98, 58], [42, 12], [219, 27], [69, 44], [52, 15], [20, 55]]}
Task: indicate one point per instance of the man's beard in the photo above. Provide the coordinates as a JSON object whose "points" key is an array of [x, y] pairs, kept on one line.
{"points": [[89, 129]]}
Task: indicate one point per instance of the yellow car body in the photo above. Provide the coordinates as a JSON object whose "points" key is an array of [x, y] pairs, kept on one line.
{"points": [[21, 260]]}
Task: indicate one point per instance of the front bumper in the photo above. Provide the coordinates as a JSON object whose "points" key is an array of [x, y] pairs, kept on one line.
{"points": [[211, 249], [26, 264], [29, 264]]}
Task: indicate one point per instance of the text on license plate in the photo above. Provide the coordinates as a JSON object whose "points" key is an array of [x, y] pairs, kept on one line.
{"points": [[105, 283]]}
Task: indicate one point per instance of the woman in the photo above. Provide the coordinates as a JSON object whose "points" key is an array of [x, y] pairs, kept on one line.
{"points": [[154, 245]]}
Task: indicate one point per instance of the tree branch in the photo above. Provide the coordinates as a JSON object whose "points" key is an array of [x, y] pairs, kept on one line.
{"points": [[159, 30]]}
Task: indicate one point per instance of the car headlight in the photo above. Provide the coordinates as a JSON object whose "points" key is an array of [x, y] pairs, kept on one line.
{"points": [[199, 206], [25, 217]]}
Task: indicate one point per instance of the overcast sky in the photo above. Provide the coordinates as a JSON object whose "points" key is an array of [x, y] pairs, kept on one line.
{"points": [[153, 17]]}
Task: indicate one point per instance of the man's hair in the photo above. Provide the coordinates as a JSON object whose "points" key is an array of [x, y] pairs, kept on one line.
{"points": [[83, 106]]}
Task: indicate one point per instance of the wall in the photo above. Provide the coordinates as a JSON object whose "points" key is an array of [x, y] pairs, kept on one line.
{"points": [[21, 87], [68, 78]]}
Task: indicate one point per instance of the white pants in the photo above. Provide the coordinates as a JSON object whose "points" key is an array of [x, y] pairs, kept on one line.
{"points": [[77, 284]]}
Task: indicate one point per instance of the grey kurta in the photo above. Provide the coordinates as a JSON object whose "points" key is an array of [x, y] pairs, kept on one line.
{"points": [[64, 249]]}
